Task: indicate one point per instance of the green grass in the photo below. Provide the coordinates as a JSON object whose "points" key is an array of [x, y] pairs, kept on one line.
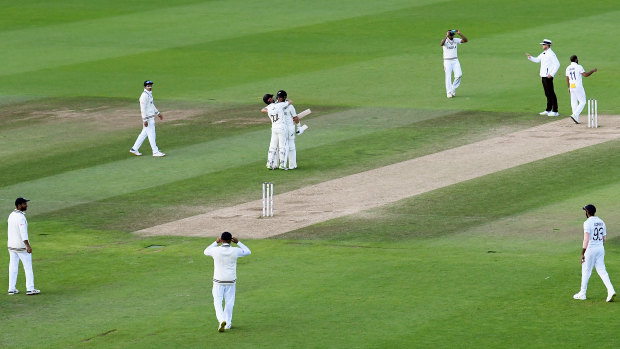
{"points": [[491, 262]]}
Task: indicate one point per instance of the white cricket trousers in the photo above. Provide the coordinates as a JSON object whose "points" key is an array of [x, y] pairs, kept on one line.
{"points": [[577, 101], [147, 131], [224, 293], [450, 66], [595, 257], [26, 259], [278, 145]]}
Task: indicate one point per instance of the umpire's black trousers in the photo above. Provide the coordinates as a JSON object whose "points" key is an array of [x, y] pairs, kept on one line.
{"points": [[552, 100]]}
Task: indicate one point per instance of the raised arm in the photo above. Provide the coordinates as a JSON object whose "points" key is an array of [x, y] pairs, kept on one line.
{"points": [[210, 248], [462, 36], [586, 74], [445, 38], [243, 249]]}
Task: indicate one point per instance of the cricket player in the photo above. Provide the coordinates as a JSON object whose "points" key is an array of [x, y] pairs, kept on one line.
{"points": [[225, 276], [19, 248], [278, 146], [291, 120], [549, 65], [593, 253], [451, 60], [574, 72], [148, 111]]}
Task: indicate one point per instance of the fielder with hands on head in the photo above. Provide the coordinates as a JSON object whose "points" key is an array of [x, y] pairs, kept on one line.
{"points": [[225, 276], [148, 111], [451, 60], [574, 72], [549, 65], [593, 253], [19, 248]]}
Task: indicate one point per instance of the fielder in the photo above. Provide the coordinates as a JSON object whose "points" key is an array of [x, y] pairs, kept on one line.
{"points": [[549, 65], [574, 72], [225, 276], [451, 60], [593, 253], [279, 133], [148, 111], [19, 248]]}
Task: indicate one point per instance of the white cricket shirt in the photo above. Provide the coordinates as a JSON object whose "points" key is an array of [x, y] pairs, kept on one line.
{"points": [[17, 231], [449, 48], [596, 228], [276, 114], [289, 112], [574, 71], [147, 108], [549, 63], [225, 261]]}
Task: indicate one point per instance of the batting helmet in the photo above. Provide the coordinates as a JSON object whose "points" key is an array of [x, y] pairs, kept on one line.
{"points": [[266, 98], [281, 94]]}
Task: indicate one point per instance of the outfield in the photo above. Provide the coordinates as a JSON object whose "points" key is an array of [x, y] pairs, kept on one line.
{"points": [[489, 262]]}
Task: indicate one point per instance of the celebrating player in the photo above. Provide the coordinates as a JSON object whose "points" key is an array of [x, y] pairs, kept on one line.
{"points": [[574, 72], [451, 60], [290, 120], [279, 133], [593, 253]]}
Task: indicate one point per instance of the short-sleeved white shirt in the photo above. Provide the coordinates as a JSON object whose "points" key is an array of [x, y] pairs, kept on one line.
{"points": [[574, 71], [449, 48], [596, 228], [17, 230]]}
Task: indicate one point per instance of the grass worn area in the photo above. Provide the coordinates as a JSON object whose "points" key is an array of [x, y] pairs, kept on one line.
{"points": [[491, 262]]}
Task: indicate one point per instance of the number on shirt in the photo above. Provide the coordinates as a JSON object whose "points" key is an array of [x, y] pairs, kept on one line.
{"points": [[573, 76], [274, 117], [598, 234]]}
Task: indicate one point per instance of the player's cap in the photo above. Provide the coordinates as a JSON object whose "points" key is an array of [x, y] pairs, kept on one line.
{"points": [[590, 208], [148, 82], [19, 201], [546, 42], [281, 94], [266, 98], [226, 236]]}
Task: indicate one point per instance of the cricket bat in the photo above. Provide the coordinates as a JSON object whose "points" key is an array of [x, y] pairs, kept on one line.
{"points": [[304, 113]]}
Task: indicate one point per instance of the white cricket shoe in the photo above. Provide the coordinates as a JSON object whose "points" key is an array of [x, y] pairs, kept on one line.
{"points": [[544, 113], [222, 326], [580, 296], [15, 291], [575, 120], [159, 154], [449, 95], [135, 152], [228, 326], [33, 292], [553, 113], [610, 297], [453, 93]]}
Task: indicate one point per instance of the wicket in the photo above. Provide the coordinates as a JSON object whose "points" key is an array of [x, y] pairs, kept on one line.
{"points": [[267, 199], [593, 113]]}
